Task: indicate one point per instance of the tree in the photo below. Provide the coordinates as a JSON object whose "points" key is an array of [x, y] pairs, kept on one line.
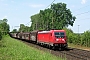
{"points": [[24, 28], [14, 30], [55, 17], [5, 20], [35, 21], [21, 29], [4, 27], [62, 16]]}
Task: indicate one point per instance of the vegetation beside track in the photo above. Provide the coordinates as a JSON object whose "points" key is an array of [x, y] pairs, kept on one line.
{"points": [[4, 28], [11, 49], [79, 39], [78, 46]]}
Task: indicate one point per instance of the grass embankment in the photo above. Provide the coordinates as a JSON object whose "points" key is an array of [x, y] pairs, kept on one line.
{"points": [[11, 49], [79, 47]]}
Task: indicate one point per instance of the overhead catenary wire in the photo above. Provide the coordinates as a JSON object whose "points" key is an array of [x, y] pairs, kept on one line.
{"points": [[27, 23], [50, 4], [45, 8], [81, 8], [82, 13]]}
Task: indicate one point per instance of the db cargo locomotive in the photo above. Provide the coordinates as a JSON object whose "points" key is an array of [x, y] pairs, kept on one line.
{"points": [[53, 38]]}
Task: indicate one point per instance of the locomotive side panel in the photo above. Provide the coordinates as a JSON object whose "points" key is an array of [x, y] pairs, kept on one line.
{"points": [[44, 37]]}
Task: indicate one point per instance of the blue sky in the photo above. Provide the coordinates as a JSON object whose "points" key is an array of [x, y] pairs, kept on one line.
{"points": [[19, 11]]}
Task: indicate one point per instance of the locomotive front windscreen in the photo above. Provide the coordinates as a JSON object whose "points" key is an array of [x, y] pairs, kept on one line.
{"points": [[59, 34]]}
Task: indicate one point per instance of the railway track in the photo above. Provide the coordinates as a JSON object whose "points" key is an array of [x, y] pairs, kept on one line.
{"points": [[77, 54], [69, 54], [74, 54]]}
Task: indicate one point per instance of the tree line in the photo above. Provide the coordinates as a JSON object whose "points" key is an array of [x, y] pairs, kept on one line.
{"points": [[4, 27]]}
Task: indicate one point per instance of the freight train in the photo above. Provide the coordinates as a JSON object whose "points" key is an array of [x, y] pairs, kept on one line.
{"points": [[55, 39]]}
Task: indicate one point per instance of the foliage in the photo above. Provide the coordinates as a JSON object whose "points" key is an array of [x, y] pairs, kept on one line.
{"points": [[4, 27], [24, 28], [78, 39], [69, 34], [85, 40], [14, 30], [55, 17], [62, 16]]}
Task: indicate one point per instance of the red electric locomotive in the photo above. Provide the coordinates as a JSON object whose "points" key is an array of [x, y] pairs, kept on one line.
{"points": [[53, 38]]}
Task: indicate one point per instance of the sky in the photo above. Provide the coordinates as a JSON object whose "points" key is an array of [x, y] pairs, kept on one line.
{"points": [[19, 11]]}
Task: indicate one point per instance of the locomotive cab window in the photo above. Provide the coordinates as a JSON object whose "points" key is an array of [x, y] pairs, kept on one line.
{"points": [[59, 34]]}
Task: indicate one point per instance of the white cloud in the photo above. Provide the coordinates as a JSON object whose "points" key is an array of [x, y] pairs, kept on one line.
{"points": [[83, 1], [36, 5]]}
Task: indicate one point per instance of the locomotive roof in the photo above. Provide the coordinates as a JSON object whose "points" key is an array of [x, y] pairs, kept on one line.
{"points": [[51, 31], [57, 30], [44, 32]]}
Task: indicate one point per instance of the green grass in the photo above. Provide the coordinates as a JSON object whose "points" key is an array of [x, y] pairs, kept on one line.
{"points": [[11, 49]]}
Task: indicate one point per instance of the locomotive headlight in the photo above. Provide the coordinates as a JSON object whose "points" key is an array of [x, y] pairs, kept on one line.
{"points": [[63, 39], [57, 39]]}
